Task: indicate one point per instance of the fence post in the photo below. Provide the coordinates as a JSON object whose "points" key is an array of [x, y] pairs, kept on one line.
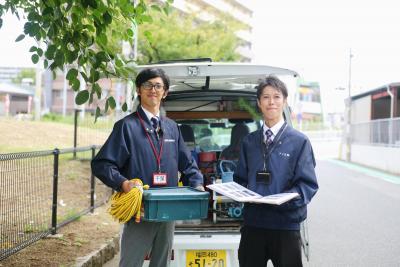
{"points": [[56, 153], [92, 183], [75, 131]]}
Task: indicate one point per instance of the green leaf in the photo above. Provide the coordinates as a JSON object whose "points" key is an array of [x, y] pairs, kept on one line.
{"points": [[97, 89], [59, 58], [98, 114], [124, 107], [1, 22], [102, 39], [20, 37], [130, 33], [118, 62], [92, 3], [71, 56], [47, 11], [148, 34], [69, 6], [146, 18], [49, 54], [40, 52], [107, 18], [82, 97], [72, 74], [76, 84], [156, 7], [94, 75], [33, 49], [111, 102], [91, 98], [35, 58], [32, 16], [85, 77], [102, 56], [106, 107], [167, 10], [45, 63]]}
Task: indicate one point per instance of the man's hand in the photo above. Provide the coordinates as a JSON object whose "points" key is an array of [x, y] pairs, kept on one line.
{"points": [[128, 185], [200, 188]]}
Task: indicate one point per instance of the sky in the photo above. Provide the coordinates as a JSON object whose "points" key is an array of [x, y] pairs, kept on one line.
{"points": [[313, 37]]}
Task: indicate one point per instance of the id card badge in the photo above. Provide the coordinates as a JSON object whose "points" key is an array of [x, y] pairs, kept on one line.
{"points": [[159, 178], [263, 177]]}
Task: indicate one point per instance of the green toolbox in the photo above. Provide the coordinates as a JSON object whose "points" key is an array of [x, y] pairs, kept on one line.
{"points": [[174, 203]]}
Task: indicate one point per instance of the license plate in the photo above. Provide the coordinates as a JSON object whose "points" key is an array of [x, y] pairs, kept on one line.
{"points": [[206, 258]]}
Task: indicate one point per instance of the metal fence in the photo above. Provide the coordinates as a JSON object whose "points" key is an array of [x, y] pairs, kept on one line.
{"points": [[378, 132], [42, 191]]}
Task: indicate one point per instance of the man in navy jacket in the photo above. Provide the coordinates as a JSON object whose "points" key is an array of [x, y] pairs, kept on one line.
{"points": [[274, 159], [147, 146]]}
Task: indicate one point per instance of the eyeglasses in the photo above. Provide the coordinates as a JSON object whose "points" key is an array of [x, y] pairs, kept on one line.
{"points": [[150, 86]]}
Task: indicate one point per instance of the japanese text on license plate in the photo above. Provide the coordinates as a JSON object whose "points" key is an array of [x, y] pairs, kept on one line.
{"points": [[206, 258]]}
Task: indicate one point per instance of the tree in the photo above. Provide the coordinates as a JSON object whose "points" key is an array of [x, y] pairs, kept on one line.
{"points": [[76, 33], [25, 74], [177, 37]]}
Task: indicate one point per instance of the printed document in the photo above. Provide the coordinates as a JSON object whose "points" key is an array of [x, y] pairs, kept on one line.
{"points": [[240, 193]]}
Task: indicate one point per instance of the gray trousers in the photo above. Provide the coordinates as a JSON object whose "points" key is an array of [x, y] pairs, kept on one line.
{"points": [[139, 239]]}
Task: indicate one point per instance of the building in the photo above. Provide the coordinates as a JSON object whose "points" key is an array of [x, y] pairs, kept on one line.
{"points": [[15, 99], [210, 10], [306, 103], [374, 135]]}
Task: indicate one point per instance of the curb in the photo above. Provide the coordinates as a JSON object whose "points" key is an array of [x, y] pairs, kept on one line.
{"points": [[101, 256]]}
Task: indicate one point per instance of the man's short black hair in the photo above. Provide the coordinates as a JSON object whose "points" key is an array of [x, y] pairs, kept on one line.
{"points": [[274, 82], [151, 73]]}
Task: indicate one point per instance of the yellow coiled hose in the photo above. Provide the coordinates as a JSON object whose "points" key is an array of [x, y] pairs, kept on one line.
{"points": [[125, 205]]}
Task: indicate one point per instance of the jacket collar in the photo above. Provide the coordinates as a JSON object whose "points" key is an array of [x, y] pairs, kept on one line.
{"points": [[147, 120]]}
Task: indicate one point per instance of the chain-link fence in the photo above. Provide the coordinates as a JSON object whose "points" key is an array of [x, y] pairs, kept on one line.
{"points": [[379, 132], [43, 190]]}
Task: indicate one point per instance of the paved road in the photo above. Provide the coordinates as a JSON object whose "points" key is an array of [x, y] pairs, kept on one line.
{"points": [[354, 220]]}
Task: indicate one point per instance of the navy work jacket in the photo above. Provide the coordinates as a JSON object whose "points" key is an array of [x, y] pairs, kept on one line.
{"points": [[127, 154], [291, 165]]}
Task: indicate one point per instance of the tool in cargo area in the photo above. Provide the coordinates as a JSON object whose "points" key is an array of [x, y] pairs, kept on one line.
{"points": [[126, 205]]}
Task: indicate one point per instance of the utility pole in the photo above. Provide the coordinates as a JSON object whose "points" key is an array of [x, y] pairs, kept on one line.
{"points": [[349, 137], [38, 92]]}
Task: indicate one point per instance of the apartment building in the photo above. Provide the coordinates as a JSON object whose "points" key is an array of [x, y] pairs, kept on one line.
{"points": [[210, 10]]}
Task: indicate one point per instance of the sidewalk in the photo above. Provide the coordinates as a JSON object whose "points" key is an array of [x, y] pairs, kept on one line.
{"points": [[395, 179]]}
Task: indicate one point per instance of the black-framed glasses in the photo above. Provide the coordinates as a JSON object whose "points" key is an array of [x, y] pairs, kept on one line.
{"points": [[150, 86]]}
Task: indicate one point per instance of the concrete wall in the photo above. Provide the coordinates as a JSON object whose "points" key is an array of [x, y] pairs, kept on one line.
{"points": [[379, 157]]}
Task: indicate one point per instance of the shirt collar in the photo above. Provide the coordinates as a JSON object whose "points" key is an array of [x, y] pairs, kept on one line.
{"points": [[150, 115], [275, 129]]}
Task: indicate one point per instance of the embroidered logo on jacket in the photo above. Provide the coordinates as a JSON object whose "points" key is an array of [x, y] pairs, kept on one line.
{"points": [[169, 140], [286, 155]]}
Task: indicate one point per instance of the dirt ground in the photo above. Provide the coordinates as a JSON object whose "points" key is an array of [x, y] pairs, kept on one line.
{"points": [[77, 239], [21, 136]]}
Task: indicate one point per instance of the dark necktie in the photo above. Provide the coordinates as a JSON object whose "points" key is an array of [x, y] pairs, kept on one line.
{"points": [[269, 135], [154, 123]]}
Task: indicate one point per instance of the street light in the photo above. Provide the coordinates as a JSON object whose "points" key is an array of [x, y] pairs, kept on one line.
{"points": [[348, 139]]}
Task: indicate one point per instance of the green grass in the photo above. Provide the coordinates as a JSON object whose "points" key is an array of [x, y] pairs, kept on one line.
{"points": [[105, 122]]}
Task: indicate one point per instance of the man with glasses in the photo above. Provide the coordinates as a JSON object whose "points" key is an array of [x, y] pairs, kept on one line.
{"points": [[148, 146]]}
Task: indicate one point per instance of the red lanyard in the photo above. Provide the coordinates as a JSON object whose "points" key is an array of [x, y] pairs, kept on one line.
{"points": [[158, 156]]}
